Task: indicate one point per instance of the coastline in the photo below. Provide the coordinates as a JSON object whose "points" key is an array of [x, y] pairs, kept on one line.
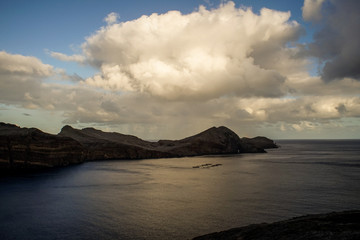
{"points": [[28, 149], [329, 226]]}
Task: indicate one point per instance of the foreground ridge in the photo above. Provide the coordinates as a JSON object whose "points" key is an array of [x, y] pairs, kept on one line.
{"points": [[330, 226], [30, 148]]}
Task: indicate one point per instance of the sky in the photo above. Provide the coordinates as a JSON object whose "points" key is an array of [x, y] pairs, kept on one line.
{"points": [[169, 69]]}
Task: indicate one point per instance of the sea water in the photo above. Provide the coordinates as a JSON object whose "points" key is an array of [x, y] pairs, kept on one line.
{"points": [[175, 199]]}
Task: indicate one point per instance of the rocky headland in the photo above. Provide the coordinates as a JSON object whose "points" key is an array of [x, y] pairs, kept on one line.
{"points": [[330, 226], [30, 148]]}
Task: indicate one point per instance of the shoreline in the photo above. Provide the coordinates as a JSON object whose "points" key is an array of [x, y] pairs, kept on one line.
{"points": [[327, 226]]}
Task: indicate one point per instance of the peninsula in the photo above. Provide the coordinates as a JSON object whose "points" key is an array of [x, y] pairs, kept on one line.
{"points": [[30, 148]]}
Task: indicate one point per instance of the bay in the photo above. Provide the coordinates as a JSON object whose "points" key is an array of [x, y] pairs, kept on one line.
{"points": [[170, 199]]}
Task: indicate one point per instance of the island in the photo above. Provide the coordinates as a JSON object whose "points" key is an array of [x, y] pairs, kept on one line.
{"points": [[30, 148]]}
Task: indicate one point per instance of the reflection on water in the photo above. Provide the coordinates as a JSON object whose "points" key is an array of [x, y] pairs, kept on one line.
{"points": [[169, 199]]}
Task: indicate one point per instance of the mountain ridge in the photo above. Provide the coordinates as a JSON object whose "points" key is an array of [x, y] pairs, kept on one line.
{"points": [[27, 148]]}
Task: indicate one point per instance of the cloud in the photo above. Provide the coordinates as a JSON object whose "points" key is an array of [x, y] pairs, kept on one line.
{"points": [[242, 115], [111, 18], [21, 77], [309, 108], [63, 57], [311, 11], [23, 65], [336, 44], [140, 112], [148, 117], [304, 85], [208, 2], [225, 66], [202, 55]]}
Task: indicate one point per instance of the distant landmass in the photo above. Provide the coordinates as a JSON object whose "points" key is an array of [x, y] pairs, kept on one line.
{"points": [[329, 226], [30, 148]]}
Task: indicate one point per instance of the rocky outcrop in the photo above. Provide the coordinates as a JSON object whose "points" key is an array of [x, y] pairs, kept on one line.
{"points": [[331, 226], [30, 148], [255, 144]]}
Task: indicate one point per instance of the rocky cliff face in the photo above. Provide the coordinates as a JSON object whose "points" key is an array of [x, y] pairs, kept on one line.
{"points": [[30, 148], [331, 226]]}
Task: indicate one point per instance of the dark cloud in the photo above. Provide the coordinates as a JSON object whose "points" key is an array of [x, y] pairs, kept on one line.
{"points": [[341, 108], [337, 44]]}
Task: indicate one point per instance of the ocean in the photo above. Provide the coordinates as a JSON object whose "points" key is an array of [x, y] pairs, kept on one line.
{"points": [[176, 199]]}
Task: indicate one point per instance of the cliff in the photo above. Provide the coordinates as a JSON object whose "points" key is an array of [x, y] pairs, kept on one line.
{"points": [[26, 148], [330, 226], [30, 148], [256, 143]]}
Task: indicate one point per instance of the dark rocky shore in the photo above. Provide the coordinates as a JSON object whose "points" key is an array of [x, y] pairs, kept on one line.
{"points": [[30, 148], [330, 226]]}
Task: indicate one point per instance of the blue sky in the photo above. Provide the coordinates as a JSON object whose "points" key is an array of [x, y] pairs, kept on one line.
{"points": [[259, 73]]}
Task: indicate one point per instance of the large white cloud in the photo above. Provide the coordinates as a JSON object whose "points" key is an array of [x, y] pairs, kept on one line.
{"points": [[202, 55]]}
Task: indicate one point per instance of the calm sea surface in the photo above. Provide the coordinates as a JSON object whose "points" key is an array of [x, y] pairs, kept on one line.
{"points": [[169, 199]]}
